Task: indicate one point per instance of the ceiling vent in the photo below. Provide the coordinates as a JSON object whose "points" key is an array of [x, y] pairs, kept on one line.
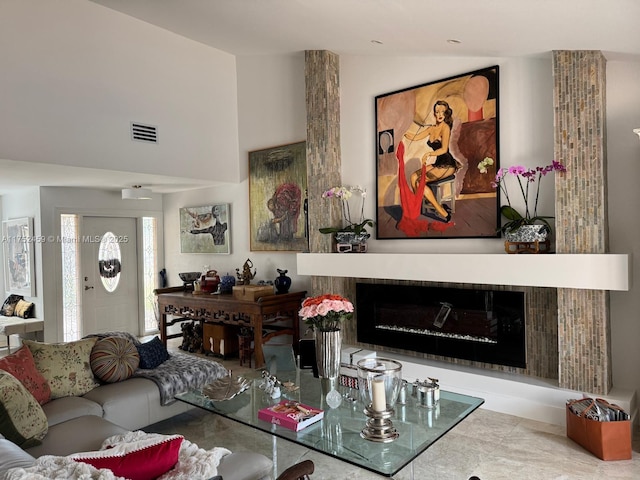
{"points": [[144, 133]]}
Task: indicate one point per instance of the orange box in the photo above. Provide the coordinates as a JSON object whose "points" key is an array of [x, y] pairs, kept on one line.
{"points": [[606, 440], [252, 292]]}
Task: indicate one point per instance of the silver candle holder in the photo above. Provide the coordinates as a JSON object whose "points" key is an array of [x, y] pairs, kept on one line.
{"points": [[379, 382]]}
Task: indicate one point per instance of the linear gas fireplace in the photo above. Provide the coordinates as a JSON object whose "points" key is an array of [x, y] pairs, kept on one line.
{"points": [[485, 326]]}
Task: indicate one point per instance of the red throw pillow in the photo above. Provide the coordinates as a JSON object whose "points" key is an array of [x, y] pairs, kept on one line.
{"points": [[22, 366], [140, 460]]}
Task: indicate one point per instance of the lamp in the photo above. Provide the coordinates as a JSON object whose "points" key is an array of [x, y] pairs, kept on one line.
{"points": [[636, 131], [136, 192]]}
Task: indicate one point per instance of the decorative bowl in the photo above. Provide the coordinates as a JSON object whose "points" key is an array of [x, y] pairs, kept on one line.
{"points": [[189, 276]]}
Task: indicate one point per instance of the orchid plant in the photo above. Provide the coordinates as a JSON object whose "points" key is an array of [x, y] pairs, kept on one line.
{"points": [[525, 178], [326, 312], [343, 194]]}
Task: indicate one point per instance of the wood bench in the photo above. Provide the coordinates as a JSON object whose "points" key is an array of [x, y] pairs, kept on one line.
{"points": [[19, 326]]}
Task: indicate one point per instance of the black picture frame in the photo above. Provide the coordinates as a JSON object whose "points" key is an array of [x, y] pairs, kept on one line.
{"points": [[405, 121]]}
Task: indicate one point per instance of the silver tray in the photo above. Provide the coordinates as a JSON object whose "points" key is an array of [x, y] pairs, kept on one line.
{"points": [[226, 388]]}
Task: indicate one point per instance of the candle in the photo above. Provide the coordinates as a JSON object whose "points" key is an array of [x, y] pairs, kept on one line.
{"points": [[379, 399]]}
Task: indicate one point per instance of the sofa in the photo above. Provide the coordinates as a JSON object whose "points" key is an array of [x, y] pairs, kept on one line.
{"points": [[74, 411]]}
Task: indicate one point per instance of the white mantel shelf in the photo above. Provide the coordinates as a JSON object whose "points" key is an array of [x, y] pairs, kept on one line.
{"points": [[581, 271]]}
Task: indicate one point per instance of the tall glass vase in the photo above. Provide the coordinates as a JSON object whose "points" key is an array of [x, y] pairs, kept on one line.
{"points": [[328, 348]]}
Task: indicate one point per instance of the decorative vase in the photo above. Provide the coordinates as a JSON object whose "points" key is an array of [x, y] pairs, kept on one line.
{"points": [[227, 282], [350, 242], [528, 233], [328, 349], [282, 282]]}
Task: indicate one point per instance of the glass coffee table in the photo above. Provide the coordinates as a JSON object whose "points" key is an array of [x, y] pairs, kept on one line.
{"points": [[338, 433]]}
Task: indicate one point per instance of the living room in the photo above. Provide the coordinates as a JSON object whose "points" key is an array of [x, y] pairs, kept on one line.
{"points": [[212, 108]]}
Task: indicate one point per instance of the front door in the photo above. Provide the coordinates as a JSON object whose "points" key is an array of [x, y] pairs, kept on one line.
{"points": [[109, 275]]}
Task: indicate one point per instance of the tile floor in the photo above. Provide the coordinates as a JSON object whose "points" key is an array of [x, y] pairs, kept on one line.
{"points": [[487, 444]]}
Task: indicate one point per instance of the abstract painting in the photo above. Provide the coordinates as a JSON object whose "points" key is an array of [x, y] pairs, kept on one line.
{"points": [[205, 229], [278, 198]]}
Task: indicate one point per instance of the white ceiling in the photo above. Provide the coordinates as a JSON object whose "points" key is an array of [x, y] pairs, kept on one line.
{"points": [[495, 28], [487, 28]]}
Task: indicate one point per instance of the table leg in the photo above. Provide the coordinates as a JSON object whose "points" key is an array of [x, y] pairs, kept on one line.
{"points": [[163, 328], [256, 322]]}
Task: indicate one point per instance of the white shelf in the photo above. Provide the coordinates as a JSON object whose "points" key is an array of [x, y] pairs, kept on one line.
{"points": [[580, 271]]}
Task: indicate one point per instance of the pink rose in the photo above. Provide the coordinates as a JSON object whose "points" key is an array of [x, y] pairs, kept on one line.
{"points": [[322, 309]]}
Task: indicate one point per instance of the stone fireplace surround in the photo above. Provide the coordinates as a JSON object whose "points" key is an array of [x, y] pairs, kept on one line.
{"points": [[584, 340], [532, 392]]}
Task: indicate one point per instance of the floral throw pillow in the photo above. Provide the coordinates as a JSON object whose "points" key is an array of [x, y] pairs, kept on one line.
{"points": [[22, 419], [22, 366], [66, 366]]}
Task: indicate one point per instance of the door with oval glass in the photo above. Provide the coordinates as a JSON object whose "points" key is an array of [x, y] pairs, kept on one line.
{"points": [[109, 275]]}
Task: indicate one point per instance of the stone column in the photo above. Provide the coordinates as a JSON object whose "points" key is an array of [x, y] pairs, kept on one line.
{"points": [[322, 85], [584, 334]]}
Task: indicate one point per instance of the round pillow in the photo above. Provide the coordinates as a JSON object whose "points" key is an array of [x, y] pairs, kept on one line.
{"points": [[114, 359]]}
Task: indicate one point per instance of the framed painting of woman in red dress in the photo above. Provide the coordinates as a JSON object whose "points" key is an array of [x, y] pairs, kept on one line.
{"points": [[437, 156]]}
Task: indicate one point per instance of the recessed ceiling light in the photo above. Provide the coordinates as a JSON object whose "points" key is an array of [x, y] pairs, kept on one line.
{"points": [[453, 41], [377, 42]]}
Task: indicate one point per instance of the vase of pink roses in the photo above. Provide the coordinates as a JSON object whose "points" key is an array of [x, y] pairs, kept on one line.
{"points": [[324, 315]]}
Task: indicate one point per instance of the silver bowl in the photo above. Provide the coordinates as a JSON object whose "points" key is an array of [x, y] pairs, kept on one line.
{"points": [[189, 277]]}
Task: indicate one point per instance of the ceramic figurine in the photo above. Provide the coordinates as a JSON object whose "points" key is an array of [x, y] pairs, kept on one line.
{"points": [[246, 276]]}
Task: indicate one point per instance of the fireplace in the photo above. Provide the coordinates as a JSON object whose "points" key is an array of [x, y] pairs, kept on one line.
{"points": [[479, 325]]}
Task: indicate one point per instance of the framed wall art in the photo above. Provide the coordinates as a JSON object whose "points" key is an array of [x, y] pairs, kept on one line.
{"points": [[205, 229], [277, 198], [17, 243], [437, 156]]}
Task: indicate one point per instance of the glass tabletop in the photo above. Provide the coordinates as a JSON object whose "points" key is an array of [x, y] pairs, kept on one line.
{"points": [[338, 433]]}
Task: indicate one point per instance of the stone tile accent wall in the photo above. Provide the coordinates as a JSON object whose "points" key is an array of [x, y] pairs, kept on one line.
{"points": [[581, 215], [571, 343], [322, 86]]}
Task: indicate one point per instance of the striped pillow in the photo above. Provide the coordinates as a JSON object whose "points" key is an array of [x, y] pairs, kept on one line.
{"points": [[114, 359]]}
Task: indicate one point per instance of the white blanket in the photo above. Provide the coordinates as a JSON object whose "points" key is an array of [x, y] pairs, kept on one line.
{"points": [[193, 463]]}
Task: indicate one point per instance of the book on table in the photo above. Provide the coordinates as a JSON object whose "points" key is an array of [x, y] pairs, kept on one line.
{"points": [[292, 415]]}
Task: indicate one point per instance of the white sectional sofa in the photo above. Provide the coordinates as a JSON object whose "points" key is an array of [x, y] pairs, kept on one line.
{"points": [[81, 423]]}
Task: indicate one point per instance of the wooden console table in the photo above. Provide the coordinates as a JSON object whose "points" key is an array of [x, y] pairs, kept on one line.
{"points": [[225, 309]]}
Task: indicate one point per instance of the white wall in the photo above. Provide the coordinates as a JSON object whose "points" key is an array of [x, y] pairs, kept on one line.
{"points": [[271, 111], [75, 74], [25, 203], [623, 152]]}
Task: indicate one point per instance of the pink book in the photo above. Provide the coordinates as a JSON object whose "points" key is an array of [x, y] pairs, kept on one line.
{"points": [[292, 415]]}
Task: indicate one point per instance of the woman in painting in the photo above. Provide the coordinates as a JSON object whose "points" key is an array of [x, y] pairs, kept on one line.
{"points": [[437, 163]]}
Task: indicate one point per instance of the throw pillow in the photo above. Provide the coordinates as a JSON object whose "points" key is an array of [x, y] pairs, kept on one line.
{"points": [[9, 305], [139, 460], [22, 419], [22, 366], [152, 353], [66, 366], [114, 359], [24, 309]]}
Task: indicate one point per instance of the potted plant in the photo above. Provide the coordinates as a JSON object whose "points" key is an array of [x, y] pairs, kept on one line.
{"points": [[530, 226], [353, 232]]}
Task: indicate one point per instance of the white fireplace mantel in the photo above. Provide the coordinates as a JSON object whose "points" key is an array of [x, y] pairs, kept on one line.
{"points": [[581, 271]]}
